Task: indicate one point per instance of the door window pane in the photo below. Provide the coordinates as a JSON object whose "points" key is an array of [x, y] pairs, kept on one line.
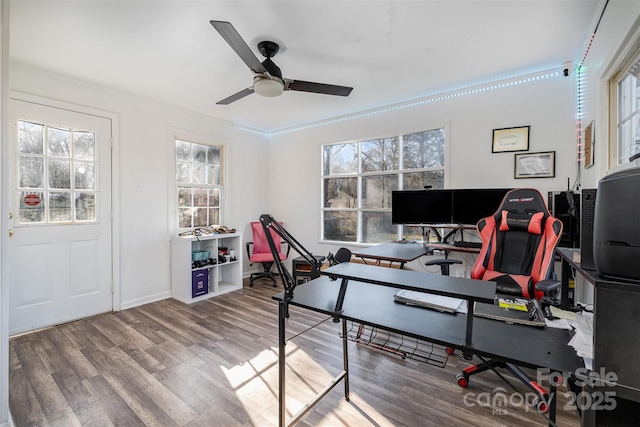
{"points": [[30, 138], [84, 176], [60, 207], [31, 207], [85, 206], [59, 142], [84, 145], [59, 174], [31, 172]]}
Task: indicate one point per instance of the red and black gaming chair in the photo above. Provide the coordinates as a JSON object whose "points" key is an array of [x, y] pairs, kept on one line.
{"points": [[518, 244]]}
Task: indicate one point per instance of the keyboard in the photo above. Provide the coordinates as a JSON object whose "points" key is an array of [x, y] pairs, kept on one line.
{"points": [[465, 244]]}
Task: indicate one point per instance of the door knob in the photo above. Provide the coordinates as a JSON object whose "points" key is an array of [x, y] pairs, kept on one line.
{"points": [[10, 232]]}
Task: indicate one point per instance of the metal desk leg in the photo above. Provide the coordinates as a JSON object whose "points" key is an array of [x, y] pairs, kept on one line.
{"points": [[345, 359], [282, 422], [282, 312]]}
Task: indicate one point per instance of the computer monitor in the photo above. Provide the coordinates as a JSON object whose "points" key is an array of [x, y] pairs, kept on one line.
{"points": [[470, 206], [415, 207]]}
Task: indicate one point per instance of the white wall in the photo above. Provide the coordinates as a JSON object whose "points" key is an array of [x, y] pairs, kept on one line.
{"points": [[618, 30], [546, 105], [144, 158]]}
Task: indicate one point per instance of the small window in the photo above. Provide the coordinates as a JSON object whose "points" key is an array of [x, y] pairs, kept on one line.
{"points": [[199, 184]]}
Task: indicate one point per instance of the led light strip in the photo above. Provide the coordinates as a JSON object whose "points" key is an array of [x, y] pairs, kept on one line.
{"points": [[472, 90]]}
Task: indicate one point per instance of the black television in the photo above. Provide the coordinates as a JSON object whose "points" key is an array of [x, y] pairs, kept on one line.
{"points": [[415, 207], [470, 206]]}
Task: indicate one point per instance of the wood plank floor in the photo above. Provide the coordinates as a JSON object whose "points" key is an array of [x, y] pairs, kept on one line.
{"points": [[214, 363]]}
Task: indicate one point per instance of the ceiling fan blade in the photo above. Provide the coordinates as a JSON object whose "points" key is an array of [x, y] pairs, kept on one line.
{"points": [[231, 36], [236, 96], [303, 86]]}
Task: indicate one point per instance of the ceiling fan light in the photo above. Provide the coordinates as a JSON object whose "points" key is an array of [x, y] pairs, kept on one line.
{"points": [[268, 87]]}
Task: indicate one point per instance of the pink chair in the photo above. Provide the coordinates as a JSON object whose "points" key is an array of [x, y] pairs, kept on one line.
{"points": [[258, 251]]}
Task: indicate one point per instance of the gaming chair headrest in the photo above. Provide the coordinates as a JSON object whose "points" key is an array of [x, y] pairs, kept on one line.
{"points": [[523, 201]]}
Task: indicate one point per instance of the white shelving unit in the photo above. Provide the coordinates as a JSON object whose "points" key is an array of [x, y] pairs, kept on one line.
{"points": [[222, 277]]}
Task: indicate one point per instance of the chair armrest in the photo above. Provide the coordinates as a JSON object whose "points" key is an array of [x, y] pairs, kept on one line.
{"points": [[288, 247], [443, 261], [548, 286], [248, 246]]}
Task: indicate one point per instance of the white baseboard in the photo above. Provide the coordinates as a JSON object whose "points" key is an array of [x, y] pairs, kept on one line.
{"points": [[145, 300]]}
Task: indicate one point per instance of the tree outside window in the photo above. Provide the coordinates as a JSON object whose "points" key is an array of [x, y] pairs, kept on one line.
{"points": [[359, 178], [199, 182]]}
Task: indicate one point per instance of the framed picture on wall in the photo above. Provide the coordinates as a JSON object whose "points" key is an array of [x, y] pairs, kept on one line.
{"points": [[535, 165], [589, 140], [510, 139]]}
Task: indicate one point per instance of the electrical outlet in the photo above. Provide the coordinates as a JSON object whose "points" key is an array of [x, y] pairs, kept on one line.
{"points": [[460, 273]]}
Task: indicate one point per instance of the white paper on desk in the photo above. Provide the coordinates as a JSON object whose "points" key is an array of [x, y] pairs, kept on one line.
{"points": [[559, 323], [437, 302], [582, 341], [563, 314]]}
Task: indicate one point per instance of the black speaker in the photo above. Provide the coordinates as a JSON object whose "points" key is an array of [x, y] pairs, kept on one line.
{"points": [[565, 205], [587, 217]]}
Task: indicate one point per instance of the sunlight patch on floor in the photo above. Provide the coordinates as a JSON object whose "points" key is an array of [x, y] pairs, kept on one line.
{"points": [[256, 383]]}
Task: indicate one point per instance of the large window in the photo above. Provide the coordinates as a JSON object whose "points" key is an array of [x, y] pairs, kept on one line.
{"points": [[358, 178], [199, 180]]}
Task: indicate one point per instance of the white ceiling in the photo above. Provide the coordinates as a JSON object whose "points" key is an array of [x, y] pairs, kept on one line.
{"points": [[389, 51]]}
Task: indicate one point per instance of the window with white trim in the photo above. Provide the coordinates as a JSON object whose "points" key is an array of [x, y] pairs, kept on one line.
{"points": [[199, 179], [625, 119], [358, 178]]}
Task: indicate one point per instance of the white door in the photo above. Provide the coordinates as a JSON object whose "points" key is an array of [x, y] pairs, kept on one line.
{"points": [[60, 243]]}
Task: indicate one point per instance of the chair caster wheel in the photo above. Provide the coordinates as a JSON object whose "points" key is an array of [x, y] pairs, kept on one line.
{"points": [[540, 405], [449, 350], [463, 380]]}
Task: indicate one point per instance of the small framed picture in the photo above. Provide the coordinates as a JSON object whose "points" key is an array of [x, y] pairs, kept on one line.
{"points": [[589, 140], [535, 165], [510, 139]]}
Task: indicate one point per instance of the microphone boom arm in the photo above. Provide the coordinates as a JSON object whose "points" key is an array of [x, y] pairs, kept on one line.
{"points": [[268, 224]]}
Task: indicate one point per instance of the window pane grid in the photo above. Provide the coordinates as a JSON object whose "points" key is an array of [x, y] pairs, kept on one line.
{"points": [[56, 174], [359, 177], [199, 180]]}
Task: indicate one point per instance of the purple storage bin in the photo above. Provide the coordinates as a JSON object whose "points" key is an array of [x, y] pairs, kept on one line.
{"points": [[199, 282]]}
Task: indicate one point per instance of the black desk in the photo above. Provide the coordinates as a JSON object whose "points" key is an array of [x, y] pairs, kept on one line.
{"points": [[615, 341], [567, 296], [400, 252], [372, 304]]}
